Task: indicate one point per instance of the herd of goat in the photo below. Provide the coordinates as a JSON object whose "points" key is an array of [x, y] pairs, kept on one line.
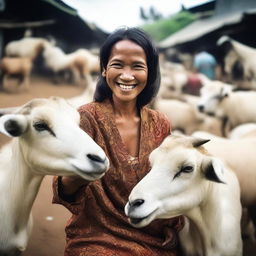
{"points": [[205, 170], [21, 54]]}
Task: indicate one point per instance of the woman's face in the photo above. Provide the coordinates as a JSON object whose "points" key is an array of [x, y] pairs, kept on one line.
{"points": [[127, 71]]}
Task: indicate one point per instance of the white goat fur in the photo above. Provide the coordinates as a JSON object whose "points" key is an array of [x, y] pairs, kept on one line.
{"points": [[243, 131], [29, 47], [212, 210], [49, 142], [247, 56], [239, 154], [238, 106], [81, 62], [174, 78], [185, 117]]}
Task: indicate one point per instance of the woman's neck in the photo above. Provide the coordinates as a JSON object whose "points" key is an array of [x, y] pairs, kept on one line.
{"points": [[125, 109]]}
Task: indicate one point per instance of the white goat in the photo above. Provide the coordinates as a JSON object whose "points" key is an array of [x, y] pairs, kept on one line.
{"points": [[80, 62], [185, 180], [93, 64], [218, 99], [58, 61], [239, 63], [29, 47], [186, 118], [173, 80], [48, 141], [243, 131]]}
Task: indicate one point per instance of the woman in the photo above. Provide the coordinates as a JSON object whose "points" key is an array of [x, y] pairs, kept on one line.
{"points": [[128, 131]]}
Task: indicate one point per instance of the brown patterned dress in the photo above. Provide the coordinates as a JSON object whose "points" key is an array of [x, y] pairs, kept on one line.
{"points": [[98, 226]]}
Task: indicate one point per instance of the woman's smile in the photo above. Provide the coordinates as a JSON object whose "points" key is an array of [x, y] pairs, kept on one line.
{"points": [[126, 87]]}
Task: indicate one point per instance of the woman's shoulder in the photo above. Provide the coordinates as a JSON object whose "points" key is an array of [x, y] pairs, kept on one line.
{"points": [[95, 110], [88, 107], [158, 123], [92, 108]]}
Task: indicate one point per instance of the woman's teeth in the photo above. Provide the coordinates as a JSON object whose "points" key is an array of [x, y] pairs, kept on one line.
{"points": [[126, 87]]}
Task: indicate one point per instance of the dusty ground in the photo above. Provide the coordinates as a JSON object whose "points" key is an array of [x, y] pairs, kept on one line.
{"points": [[48, 238]]}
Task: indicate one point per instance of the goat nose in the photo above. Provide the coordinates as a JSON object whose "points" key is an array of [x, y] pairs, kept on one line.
{"points": [[136, 203], [201, 108], [96, 158]]}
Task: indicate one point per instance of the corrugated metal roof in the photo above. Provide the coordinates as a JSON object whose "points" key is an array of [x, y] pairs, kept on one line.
{"points": [[225, 7], [227, 12], [202, 27]]}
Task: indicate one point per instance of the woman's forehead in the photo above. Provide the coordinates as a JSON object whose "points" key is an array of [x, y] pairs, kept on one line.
{"points": [[127, 47]]}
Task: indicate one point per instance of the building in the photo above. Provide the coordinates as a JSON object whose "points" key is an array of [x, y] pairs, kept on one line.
{"points": [[47, 18], [235, 18]]}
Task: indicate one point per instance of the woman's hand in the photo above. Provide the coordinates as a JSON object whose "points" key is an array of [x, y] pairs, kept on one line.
{"points": [[71, 184]]}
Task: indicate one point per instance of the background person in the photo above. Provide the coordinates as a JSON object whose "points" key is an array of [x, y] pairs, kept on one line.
{"points": [[205, 63]]}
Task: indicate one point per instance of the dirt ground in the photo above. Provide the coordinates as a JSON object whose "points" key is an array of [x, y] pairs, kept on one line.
{"points": [[48, 237]]}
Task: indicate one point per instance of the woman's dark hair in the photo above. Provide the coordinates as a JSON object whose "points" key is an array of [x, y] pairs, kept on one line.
{"points": [[139, 37]]}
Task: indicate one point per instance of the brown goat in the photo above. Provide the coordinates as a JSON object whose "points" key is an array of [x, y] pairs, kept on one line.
{"points": [[18, 66]]}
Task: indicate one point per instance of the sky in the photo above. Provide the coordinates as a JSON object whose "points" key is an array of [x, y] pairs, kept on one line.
{"points": [[111, 14]]}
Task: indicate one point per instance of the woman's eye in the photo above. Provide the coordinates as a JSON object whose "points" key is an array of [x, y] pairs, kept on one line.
{"points": [[139, 66], [115, 65], [187, 169]]}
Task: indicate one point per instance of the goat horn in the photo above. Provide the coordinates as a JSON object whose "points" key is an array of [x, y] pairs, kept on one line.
{"points": [[196, 142]]}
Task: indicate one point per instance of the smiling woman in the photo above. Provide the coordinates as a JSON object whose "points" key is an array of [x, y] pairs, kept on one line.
{"points": [[128, 131]]}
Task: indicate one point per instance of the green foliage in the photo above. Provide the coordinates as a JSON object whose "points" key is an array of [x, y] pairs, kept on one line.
{"points": [[167, 26]]}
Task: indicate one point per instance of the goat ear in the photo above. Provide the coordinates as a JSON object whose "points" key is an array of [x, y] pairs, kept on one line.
{"points": [[213, 170], [225, 91], [13, 125], [4, 111], [196, 142]]}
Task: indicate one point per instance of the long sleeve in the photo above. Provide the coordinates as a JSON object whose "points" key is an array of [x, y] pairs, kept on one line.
{"points": [[74, 203]]}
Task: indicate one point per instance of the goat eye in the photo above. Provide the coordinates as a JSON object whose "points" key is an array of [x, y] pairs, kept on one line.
{"points": [[184, 169], [187, 169], [41, 126]]}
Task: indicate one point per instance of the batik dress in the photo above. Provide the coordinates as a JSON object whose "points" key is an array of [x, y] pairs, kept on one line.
{"points": [[98, 226]]}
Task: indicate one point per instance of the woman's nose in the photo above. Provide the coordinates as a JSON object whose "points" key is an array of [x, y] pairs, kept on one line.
{"points": [[127, 75]]}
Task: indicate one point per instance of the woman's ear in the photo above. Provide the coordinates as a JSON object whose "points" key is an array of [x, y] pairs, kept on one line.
{"points": [[104, 72]]}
